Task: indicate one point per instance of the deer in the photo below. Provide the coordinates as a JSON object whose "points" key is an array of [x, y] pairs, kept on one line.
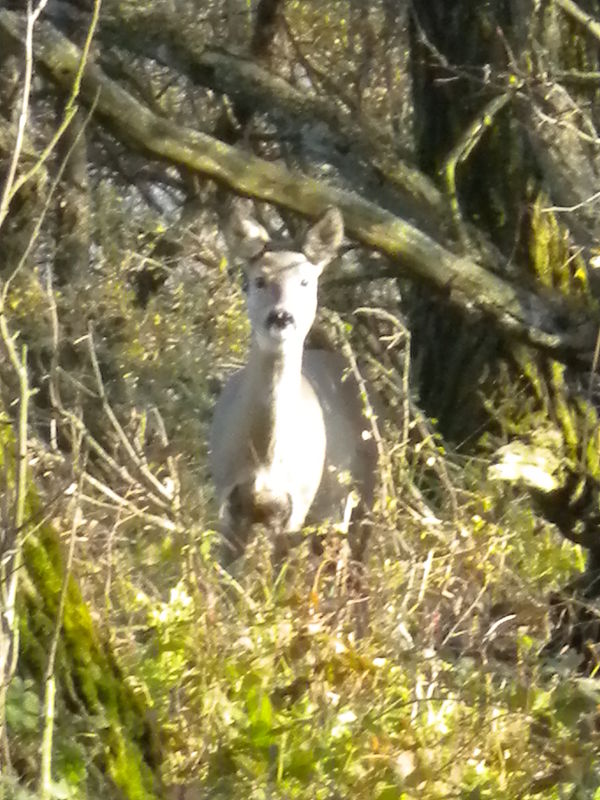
{"points": [[289, 442]]}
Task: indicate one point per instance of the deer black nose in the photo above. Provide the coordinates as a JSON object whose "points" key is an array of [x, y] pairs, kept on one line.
{"points": [[279, 318]]}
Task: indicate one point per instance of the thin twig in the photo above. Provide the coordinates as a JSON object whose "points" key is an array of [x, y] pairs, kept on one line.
{"points": [[109, 566], [10, 570], [588, 200], [586, 430], [402, 334], [76, 423], [32, 16], [591, 25], [70, 107], [161, 522], [41, 217], [387, 485], [45, 780], [138, 461], [461, 152], [171, 465], [231, 581]]}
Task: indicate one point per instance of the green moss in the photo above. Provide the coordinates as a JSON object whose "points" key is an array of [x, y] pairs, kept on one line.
{"points": [[127, 767], [555, 267], [36, 655], [590, 436], [532, 373], [84, 668], [564, 413], [550, 254], [543, 242]]}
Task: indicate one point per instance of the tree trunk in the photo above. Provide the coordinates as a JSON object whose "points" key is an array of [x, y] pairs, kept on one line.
{"points": [[473, 381], [74, 217]]}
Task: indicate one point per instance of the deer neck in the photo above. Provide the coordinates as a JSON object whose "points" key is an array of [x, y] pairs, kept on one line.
{"points": [[273, 381]]}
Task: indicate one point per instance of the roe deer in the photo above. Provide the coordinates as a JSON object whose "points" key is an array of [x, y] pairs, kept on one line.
{"points": [[288, 435]]}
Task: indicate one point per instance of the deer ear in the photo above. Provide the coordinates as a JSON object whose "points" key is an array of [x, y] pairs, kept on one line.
{"points": [[245, 236], [322, 241]]}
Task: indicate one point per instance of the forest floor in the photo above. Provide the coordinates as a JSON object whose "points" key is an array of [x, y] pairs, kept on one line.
{"points": [[258, 684]]}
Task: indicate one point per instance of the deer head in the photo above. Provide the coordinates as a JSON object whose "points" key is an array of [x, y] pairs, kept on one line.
{"points": [[282, 281]]}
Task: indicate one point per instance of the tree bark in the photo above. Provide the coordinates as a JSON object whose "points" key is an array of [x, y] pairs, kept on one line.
{"points": [[529, 160], [74, 215]]}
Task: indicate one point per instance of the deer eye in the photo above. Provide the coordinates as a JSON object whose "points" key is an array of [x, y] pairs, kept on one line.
{"points": [[260, 282], [304, 282]]}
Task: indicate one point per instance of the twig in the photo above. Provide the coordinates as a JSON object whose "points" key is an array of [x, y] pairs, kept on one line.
{"points": [[70, 107], [387, 485], [171, 466], [591, 25], [231, 581], [45, 780], [461, 152], [410, 411], [109, 566], [588, 200], [586, 430], [10, 569], [78, 425], [32, 16], [426, 573], [404, 334], [439, 464], [468, 610], [576, 76], [41, 217], [161, 522], [137, 460], [560, 120]]}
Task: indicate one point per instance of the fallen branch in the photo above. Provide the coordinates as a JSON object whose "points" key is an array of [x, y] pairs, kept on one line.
{"points": [[573, 10], [517, 311]]}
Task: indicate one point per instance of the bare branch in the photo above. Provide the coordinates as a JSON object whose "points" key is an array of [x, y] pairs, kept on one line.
{"points": [[517, 311], [463, 149], [12, 168], [573, 10], [13, 184], [138, 461]]}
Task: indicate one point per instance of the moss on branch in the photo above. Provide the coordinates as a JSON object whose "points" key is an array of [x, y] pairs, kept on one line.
{"points": [[467, 284]]}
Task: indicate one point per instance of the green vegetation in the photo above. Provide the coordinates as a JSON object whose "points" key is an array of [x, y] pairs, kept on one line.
{"points": [[258, 687], [174, 679]]}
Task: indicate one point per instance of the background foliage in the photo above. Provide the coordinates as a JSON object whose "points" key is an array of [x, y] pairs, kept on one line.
{"points": [[471, 128]]}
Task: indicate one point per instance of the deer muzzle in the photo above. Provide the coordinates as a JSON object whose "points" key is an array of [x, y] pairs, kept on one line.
{"points": [[280, 319]]}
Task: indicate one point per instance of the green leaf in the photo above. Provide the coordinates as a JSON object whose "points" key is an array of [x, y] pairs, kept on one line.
{"points": [[260, 710], [31, 703], [301, 762], [390, 793]]}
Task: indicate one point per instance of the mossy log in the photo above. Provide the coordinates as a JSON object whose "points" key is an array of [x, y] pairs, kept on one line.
{"points": [[252, 88], [515, 310], [89, 681]]}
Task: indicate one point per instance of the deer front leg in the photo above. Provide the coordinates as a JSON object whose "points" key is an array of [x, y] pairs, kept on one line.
{"points": [[244, 508], [236, 525]]}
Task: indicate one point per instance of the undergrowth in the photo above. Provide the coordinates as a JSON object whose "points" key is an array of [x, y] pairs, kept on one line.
{"points": [[258, 685]]}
